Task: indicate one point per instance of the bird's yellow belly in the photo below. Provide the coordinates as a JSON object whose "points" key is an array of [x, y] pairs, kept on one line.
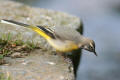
{"points": [[63, 46]]}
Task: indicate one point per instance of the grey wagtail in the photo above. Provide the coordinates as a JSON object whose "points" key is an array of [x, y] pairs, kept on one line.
{"points": [[63, 39]]}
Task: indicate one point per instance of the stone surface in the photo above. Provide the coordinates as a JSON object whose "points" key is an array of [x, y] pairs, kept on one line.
{"points": [[40, 64]]}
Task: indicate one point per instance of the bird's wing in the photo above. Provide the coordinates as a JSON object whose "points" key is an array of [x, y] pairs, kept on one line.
{"points": [[67, 33], [62, 33]]}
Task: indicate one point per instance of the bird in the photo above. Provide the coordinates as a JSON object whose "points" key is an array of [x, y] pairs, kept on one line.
{"points": [[63, 39]]}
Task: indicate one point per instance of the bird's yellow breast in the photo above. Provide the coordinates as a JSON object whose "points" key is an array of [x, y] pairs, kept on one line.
{"points": [[63, 46]]}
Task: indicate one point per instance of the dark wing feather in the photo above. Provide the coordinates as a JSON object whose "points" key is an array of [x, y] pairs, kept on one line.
{"points": [[47, 31]]}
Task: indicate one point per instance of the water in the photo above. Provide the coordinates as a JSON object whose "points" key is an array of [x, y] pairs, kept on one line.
{"points": [[102, 23]]}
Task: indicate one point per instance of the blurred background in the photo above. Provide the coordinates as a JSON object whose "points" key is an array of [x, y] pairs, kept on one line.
{"points": [[101, 20]]}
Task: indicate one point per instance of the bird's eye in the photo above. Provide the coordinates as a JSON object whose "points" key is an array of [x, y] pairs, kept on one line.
{"points": [[90, 47]]}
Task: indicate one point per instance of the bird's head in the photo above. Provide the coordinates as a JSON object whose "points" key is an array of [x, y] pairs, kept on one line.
{"points": [[88, 45]]}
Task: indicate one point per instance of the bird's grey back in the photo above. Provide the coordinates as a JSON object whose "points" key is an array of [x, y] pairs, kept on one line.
{"points": [[67, 33]]}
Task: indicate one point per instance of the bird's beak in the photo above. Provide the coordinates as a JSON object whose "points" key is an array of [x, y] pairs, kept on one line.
{"points": [[95, 53]]}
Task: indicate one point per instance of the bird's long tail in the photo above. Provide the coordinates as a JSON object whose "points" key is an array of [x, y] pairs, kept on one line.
{"points": [[39, 29]]}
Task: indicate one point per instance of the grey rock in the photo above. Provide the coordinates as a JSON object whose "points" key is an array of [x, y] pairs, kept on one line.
{"points": [[39, 65]]}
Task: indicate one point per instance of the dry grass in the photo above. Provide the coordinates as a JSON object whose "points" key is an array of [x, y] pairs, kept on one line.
{"points": [[9, 46]]}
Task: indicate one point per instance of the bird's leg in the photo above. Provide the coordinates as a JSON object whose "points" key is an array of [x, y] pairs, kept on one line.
{"points": [[66, 57], [63, 55]]}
